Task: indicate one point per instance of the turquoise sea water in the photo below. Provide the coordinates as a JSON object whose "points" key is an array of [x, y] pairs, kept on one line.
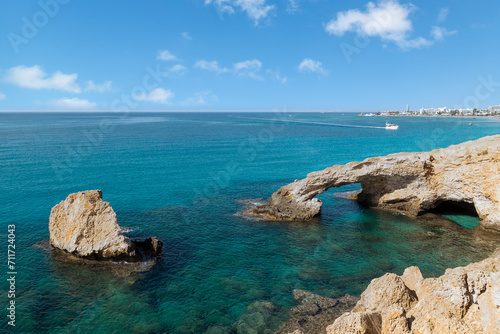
{"points": [[183, 177]]}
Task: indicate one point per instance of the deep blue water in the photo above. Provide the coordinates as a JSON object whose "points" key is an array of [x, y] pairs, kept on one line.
{"points": [[181, 176]]}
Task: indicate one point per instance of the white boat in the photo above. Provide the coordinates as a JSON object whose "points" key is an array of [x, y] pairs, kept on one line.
{"points": [[391, 126]]}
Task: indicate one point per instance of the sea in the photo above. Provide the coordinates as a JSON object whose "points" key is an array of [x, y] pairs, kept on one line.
{"points": [[186, 178]]}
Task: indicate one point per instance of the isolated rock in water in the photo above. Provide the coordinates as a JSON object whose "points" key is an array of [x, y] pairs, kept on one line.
{"points": [[463, 300], [412, 183], [86, 226]]}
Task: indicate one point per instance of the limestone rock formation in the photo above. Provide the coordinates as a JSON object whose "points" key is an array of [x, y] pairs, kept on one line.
{"points": [[463, 300], [386, 291], [356, 323], [86, 226], [411, 183]]}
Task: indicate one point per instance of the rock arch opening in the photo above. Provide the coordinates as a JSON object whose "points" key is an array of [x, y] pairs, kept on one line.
{"points": [[455, 208]]}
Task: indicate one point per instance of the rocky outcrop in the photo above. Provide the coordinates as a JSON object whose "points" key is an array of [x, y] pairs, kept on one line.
{"points": [[314, 313], [86, 227], [151, 246], [411, 183], [463, 300]]}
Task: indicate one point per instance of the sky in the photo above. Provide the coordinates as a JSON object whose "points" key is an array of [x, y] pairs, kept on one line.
{"points": [[243, 55]]}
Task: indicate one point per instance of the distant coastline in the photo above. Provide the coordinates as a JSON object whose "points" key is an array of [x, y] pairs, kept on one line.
{"points": [[429, 115], [442, 111]]}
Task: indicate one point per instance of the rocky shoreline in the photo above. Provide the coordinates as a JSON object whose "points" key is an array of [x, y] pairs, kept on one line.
{"points": [[463, 300], [462, 177]]}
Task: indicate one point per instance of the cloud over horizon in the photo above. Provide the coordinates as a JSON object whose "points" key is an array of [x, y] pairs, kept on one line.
{"points": [[34, 77], [157, 95], [101, 88], [73, 104]]}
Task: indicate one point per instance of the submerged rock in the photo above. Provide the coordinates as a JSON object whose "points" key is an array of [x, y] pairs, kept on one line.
{"points": [[463, 300], [86, 227], [257, 319], [411, 183], [314, 313]]}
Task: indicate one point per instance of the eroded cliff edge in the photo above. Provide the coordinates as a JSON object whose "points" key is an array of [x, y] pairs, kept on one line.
{"points": [[463, 300], [411, 183]]}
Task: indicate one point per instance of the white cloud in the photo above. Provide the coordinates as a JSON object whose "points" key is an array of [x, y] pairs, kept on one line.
{"points": [[255, 9], [387, 20], [178, 69], [443, 14], [166, 56], [439, 33], [200, 98], [158, 95], [2, 96], [35, 78], [247, 68], [73, 104], [415, 43], [292, 6], [101, 88], [186, 35], [309, 65], [210, 66], [277, 76], [248, 65]]}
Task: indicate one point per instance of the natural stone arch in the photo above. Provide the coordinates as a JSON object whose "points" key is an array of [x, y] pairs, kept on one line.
{"points": [[411, 183]]}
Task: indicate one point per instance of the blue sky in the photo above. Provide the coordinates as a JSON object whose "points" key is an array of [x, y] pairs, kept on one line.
{"points": [[248, 54]]}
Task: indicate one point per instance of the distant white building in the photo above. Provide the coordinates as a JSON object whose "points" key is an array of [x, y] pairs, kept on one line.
{"points": [[433, 111], [493, 109], [467, 111]]}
